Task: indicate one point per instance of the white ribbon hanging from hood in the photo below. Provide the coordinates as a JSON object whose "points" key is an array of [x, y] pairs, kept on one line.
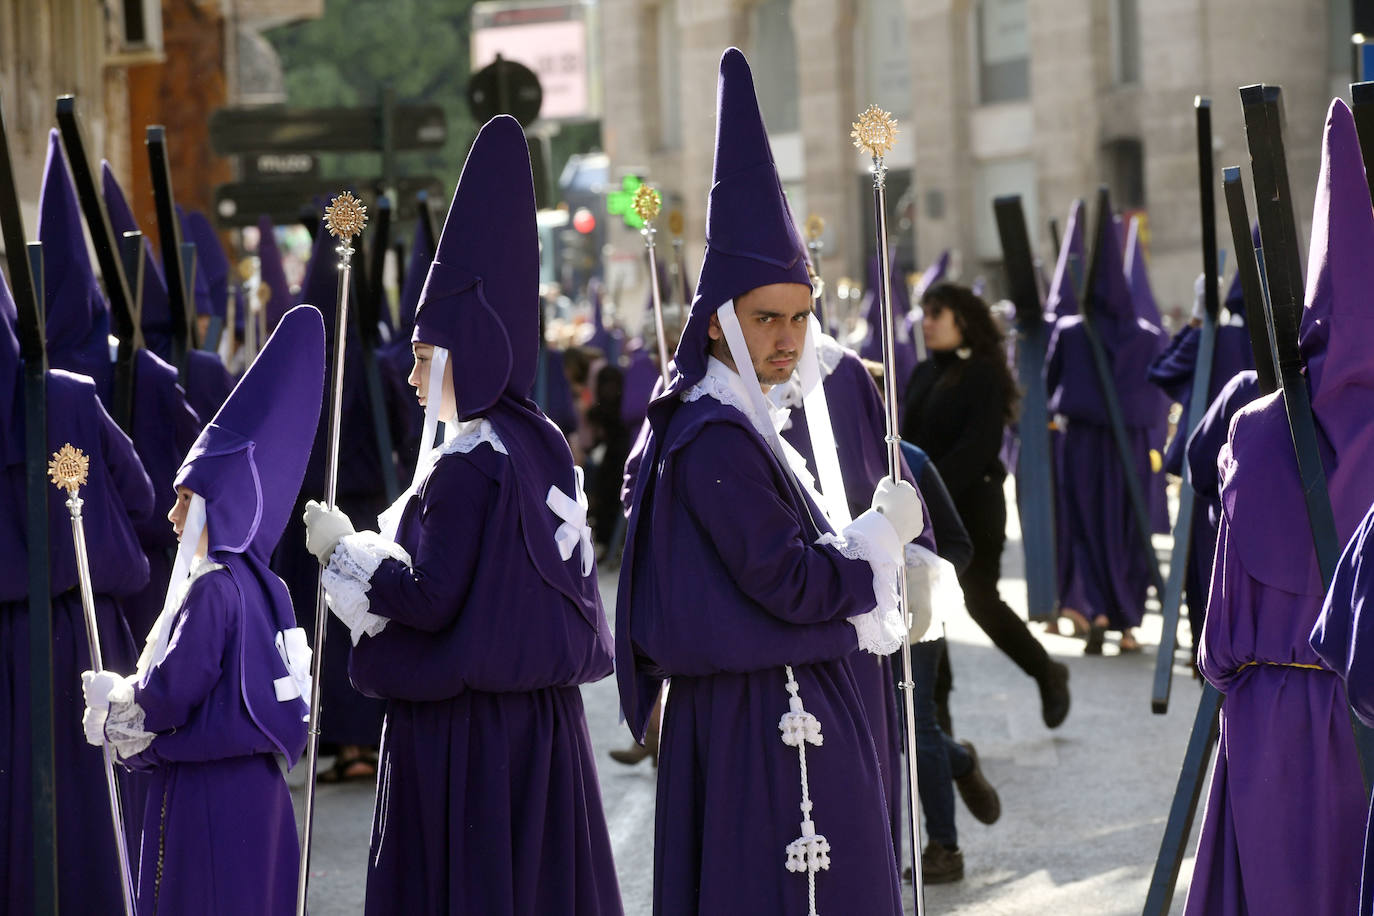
{"points": [[831, 487], [155, 647], [390, 520]]}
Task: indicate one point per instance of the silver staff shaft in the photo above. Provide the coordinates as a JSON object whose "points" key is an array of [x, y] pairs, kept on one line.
{"points": [[83, 572], [648, 232], [894, 466], [331, 477]]}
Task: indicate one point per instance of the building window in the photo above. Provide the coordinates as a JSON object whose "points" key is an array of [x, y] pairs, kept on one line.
{"points": [[995, 178], [1001, 31], [774, 61], [882, 56], [1126, 41], [669, 78], [1125, 168]]}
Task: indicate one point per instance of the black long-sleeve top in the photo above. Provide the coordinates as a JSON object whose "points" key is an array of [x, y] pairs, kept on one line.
{"points": [[955, 411]]}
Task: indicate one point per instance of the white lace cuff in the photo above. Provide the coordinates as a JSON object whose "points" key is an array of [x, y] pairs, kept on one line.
{"points": [[872, 538], [124, 722], [348, 577]]}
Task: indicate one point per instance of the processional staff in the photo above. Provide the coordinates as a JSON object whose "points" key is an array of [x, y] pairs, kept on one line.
{"points": [[68, 469], [345, 218], [875, 132], [647, 203]]}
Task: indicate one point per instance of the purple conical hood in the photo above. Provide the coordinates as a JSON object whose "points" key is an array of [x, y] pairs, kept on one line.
{"points": [[933, 274], [1111, 296], [76, 316], [212, 264], [1142, 297], [11, 443], [1337, 328], [1063, 297], [481, 298], [272, 273], [751, 239], [872, 347], [155, 308], [421, 256], [249, 461]]}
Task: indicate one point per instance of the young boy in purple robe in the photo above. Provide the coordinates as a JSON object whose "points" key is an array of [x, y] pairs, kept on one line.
{"points": [[117, 496], [208, 383], [1102, 563], [475, 613], [77, 320], [221, 688], [1284, 819], [735, 586]]}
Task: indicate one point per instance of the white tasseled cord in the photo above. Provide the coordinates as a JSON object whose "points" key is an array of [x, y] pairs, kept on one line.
{"points": [[809, 852]]}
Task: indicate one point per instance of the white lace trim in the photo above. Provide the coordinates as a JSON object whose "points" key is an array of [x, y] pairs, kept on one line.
{"points": [[461, 437], [348, 577], [720, 382], [470, 434], [810, 852], [124, 731], [881, 630], [830, 352]]}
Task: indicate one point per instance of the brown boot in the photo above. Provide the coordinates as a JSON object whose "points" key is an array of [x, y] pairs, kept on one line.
{"points": [[978, 794], [633, 754], [942, 864]]}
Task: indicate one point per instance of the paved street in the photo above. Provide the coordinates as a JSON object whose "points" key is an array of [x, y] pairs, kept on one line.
{"points": [[1083, 807]]}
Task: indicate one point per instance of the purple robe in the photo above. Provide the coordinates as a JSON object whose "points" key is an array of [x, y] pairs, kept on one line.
{"points": [[640, 378], [1204, 446], [1102, 564], [116, 495], [904, 348], [1284, 819], [859, 424], [481, 714], [1337, 638], [395, 359], [741, 590]]}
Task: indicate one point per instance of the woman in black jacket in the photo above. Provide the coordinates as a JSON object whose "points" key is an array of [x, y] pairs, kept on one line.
{"points": [[956, 409]]}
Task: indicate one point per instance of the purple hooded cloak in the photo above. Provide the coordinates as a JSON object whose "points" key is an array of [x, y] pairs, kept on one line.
{"points": [[117, 495], [735, 587], [1102, 564], [222, 686], [1283, 826], [487, 795]]}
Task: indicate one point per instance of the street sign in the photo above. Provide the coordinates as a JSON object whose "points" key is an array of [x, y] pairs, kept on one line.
{"points": [[279, 165], [240, 203], [278, 129], [505, 87]]}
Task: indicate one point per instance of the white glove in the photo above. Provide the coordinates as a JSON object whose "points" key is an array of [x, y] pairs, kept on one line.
{"points": [[96, 688], [325, 526], [1200, 297], [900, 504], [920, 609]]}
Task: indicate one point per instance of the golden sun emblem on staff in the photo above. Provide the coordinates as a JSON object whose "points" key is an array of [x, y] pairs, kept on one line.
{"points": [[68, 468], [345, 216], [875, 131], [815, 227], [647, 203]]}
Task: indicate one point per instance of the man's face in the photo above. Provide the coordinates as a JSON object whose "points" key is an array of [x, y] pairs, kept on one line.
{"points": [[773, 319]]}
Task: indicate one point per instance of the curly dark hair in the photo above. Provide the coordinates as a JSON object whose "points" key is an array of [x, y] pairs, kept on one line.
{"points": [[981, 335]]}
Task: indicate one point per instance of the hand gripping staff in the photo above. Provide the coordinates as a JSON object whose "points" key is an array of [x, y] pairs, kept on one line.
{"points": [[875, 132], [68, 469], [345, 218]]}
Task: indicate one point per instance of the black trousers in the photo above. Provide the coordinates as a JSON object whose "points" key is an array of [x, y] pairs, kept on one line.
{"points": [[983, 509]]}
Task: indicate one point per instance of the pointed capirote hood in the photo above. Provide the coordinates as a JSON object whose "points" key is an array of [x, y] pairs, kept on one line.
{"points": [[1337, 327], [751, 239], [1112, 305], [11, 374], [935, 273], [212, 266], [272, 274], [155, 308], [872, 347], [422, 248], [481, 297], [77, 319], [1071, 267], [1137, 275], [248, 463]]}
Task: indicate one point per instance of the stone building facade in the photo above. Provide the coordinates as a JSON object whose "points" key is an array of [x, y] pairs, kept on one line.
{"points": [[1046, 98]]}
